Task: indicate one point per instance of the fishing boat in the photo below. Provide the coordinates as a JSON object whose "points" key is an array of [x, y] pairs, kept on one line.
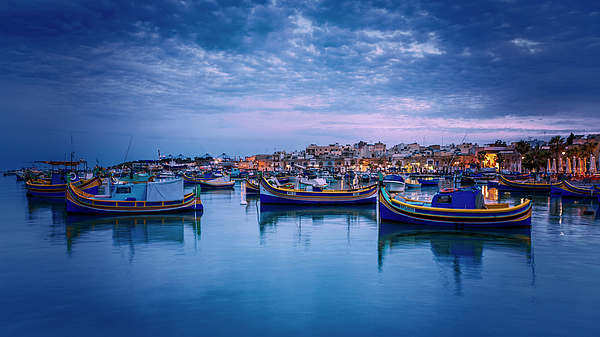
{"points": [[271, 192], [462, 207], [597, 190], [518, 186], [568, 190], [217, 183], [428, 182], [153, 197], [252, 187], [56, 187], [196, 179], [412, 183], [394, 183]]}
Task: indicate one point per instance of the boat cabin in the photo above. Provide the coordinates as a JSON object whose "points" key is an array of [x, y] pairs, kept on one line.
{"points": [[463, 198]]}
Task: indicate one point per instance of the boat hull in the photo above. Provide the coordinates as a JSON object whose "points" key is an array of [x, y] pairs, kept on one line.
{"points": [[567, 190], [81, 202], [274, 195], [515, 186], [251, 187], [394, 210], [39, 190]]}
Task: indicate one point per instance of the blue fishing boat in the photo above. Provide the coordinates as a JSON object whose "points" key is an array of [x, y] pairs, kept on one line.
{"points": [[217, 183], [271, 192], [462, 207], [428, 182], [56, 187], [394, 183], [190, 179], [252, 187], [597, 191], [517, 186], [568, 190], [153, 197]]}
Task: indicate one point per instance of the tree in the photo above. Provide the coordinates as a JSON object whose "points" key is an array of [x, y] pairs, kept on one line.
{"points": [[481, 157], [570, 139], [522, 147], [588, 149], [536, 158], [500, 159], [557, 144]]}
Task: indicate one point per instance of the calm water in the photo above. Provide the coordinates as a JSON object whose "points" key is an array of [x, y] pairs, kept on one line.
{"points": [[246, 271]]}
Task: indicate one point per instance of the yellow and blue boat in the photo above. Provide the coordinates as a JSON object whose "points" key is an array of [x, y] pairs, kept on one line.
{"points": [[568, 190], [271, 193], [153, 197], [456, 208], [251, 186], [57, 186], [506, 185]]}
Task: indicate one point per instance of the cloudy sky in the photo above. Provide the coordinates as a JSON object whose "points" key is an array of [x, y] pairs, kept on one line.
{"points": [[245, 77]]}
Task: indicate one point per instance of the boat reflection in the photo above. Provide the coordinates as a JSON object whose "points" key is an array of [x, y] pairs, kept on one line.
{"points": [[567, 209], [37, 207], [270, 215], [130, 230], [459, 250]]}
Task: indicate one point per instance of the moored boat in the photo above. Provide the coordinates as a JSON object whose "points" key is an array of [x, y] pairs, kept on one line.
{"points": [[153, 197], [56, 188], [252, 187], [454, 207], [394, 183], [517, 186], [217, 183], [568, 190], [270, 192]]}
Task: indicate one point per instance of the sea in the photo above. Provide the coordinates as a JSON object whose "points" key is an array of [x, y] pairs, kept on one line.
{"points": [[259, 270]]}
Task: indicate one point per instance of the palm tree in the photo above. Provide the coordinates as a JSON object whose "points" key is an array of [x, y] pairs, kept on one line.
{"points": [[500, 159], [557, 144], [481, 157], [522, 147]]}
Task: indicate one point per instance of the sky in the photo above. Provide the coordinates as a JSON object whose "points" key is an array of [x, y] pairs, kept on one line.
{"points": [[121, 80]]}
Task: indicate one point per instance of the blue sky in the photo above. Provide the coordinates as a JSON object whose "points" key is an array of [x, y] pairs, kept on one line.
{"points": [[245, 77]]}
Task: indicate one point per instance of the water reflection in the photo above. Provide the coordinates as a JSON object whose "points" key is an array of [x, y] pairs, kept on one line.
{"points": [[130, 230], [456, 250], [563, 210], [270, 215], [39, 207]]}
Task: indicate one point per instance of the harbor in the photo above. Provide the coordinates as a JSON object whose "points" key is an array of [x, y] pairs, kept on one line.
{"points": [[276, 269]]}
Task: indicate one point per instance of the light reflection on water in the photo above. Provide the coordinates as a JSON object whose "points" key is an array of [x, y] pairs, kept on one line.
{"points": [[278, 270]]}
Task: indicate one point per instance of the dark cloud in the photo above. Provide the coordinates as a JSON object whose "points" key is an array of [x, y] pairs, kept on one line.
{"points": [[128, 66]]}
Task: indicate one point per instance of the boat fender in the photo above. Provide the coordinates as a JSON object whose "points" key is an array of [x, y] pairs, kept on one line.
{"points": [[73, 176], [448, 190]]}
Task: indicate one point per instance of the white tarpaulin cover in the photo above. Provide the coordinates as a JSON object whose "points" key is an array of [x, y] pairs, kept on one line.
{"points": [[165, 190]]}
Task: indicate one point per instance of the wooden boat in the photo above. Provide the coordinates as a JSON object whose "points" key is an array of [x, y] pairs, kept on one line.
{"points": [[597, 190], [428, 182], [153, 197], [218, 183], [270, 192], [56, 188], [568, 190], [412, 183], [516, 186], [394, 183], [196, 179], [456, 208], [251, 186]]}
